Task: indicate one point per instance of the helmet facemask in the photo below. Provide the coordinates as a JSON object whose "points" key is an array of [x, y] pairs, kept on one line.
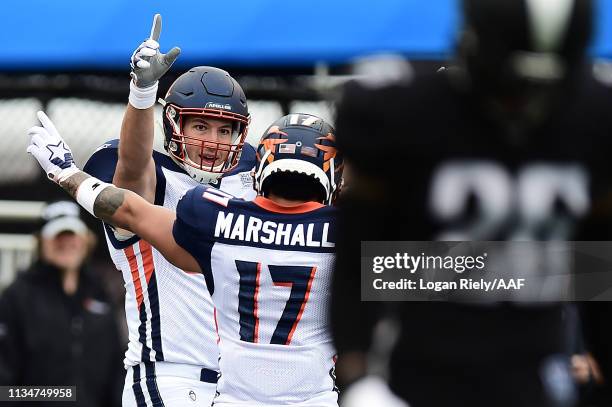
{"points": [[197, 168]]}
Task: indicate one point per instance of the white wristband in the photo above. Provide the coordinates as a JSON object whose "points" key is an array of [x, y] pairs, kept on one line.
{"points": [[64, 174], [88, 191], [142, 98]]}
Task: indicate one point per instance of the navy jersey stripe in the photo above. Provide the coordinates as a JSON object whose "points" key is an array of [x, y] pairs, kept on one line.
{"points": [[160, 187], [142, 333], [155, 318], [119, 244]]}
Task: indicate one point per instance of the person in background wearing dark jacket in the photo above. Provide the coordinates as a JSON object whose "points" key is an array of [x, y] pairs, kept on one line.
{"points": [[57, 325]]}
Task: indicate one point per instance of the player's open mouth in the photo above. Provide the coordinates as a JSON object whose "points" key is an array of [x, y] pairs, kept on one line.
{"points": [[208, 159]]}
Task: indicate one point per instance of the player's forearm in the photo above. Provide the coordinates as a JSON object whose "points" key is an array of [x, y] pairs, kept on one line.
{"points": [[112, 205], [135, 168], [135, 146], [136, 140]]}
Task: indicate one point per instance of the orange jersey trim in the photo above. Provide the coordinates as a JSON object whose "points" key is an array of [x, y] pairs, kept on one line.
{"points": [[297, 321], [146, 254], [131, 257], [256, 307], [147, 259], [272, 206]]}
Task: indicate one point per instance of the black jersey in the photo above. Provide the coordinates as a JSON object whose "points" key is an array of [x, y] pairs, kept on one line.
{"points": [[429, 162]]}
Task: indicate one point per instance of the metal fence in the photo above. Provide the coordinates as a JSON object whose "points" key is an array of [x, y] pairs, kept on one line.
{"points": [[87, 109], [17, 250]]}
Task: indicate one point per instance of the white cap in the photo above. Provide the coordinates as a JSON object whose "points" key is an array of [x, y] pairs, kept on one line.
{"points": [[62, 217], [63, 224]]}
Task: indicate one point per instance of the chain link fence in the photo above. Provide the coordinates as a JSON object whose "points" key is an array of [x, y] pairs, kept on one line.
{"points": [[86, 124], [88, 111]]}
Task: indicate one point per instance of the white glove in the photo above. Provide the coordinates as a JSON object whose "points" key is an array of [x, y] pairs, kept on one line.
{"points": [[52, 153], [148, 64], [371, 391]]}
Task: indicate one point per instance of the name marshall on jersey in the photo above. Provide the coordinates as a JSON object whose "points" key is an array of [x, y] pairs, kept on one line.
{"points": [[252, 229]]}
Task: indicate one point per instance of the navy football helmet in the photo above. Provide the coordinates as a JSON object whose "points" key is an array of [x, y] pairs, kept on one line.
{"points": [[301, 144], [208, 92]]}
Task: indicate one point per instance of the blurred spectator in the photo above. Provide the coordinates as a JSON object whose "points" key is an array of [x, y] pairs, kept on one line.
{"points": [[57, 326]]}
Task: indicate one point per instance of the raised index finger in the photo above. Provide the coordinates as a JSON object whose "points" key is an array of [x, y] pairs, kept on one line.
{"points": [[156, 28], [46, 122]]}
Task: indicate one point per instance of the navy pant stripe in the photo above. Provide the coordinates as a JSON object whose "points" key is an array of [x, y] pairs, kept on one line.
{"points": [[140, 399], [152, 385]]}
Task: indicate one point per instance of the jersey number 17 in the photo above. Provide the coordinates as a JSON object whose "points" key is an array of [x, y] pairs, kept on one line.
{"points": [[297, 278]]}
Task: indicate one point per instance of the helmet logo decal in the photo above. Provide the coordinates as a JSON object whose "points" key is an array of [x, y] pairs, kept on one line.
{"points": [[330, 152], [329, 137], [287, 148], [269, 144], [223, 106], [309, 151], [307, 120], [276, 130], [172, 112]]}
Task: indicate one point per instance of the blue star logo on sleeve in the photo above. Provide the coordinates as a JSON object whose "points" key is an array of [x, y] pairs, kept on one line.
{"points": [[60, 155]]}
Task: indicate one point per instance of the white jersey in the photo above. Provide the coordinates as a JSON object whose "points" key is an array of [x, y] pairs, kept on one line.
{"points": [[269, 272], [169, 312]]}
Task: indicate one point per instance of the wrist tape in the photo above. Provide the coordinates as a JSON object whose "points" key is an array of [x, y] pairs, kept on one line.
{"points": [[88, 191], [142, 98], [63, 175]]}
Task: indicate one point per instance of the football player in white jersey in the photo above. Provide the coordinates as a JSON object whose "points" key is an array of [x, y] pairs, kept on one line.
{"points": [[267, 263], [172, 355]]}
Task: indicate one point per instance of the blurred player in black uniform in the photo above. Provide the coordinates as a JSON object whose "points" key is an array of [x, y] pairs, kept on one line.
{"points": [[511, 142]]}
